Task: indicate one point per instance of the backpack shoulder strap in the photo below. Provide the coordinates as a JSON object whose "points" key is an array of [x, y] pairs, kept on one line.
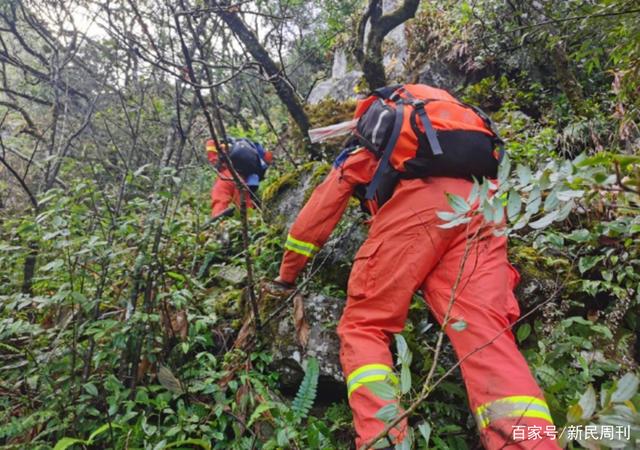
{"points": [[429, 131], [384, 160]]}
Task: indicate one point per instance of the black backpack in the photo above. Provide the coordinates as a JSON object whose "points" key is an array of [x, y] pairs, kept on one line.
{"points": [[245, 158]]}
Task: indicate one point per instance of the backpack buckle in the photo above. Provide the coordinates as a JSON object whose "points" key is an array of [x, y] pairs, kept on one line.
{"points": [[418, 104]]}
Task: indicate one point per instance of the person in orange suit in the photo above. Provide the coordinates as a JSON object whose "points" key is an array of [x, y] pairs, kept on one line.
{"points": [[406, 252], [250, 161]]}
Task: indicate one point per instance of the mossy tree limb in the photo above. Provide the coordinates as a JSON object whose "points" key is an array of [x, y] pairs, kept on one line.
{"points": [[368, 51]]}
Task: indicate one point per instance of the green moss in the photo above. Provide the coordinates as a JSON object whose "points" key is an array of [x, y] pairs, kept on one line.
{"points": [[228, 304], [534, 265], [271, 190], [290, 179], [326, 112], [329, 111]]}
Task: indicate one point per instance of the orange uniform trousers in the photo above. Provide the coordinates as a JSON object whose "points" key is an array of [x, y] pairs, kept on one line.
{"points": [[406, 251]]}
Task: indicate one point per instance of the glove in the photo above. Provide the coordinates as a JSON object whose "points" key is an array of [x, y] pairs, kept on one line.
{"points": [[278, 288]]}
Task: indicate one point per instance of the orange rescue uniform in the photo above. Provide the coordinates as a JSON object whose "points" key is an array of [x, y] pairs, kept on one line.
{"points": [[224, 190], [406, 251]]}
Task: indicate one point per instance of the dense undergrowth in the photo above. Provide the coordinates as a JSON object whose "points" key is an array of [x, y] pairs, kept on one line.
{"points": [[123, 337]]}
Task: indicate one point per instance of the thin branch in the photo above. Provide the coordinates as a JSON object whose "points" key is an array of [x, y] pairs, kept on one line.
{"points": [[567, 19], [19, 179]]}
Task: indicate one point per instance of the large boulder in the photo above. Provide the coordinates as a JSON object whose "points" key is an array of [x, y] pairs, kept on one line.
{"points": [[342, 88], [319, 340]]}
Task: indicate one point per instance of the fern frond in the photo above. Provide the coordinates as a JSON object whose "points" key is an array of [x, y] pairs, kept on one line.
{"points": [[307, 391]]}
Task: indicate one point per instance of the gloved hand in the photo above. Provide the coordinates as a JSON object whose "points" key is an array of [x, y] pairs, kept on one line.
{"points": [[280, 282], [278, 288]]}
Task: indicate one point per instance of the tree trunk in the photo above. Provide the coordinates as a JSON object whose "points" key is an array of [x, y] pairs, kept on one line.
{"points": [[369, 51], [283, 89]]}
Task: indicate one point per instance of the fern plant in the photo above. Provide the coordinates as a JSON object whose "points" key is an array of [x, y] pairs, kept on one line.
{"points": [[307, 391]]}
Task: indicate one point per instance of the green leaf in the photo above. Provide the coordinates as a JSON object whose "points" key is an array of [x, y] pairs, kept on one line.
{"points": [[101, 430], [587, 262], [574, 413], [475, 192], [524, 174], [458, 204], [307, 391], [425, 430], [282, 438], [459, 325], [447, 216], [406, 443], [514, 204], [405, 379], [199, 442], [551, 202], [262, 407], [504, 169], [569, 194], [498, 215], [605, 396], [169, 381], [388, 412], [91, 390], [67, 442], [626, 388], [533, 201], [404, 355], [459, 221], [523, 332], [588, 403], [545, 221], [382, 389], [581, 235], [565, 210], [176, 276]]}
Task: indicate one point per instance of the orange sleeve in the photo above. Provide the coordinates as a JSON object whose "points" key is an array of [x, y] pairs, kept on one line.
{"points": [[323, 211]]}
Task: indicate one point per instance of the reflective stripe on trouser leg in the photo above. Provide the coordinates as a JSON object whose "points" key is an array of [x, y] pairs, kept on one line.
{"points": [[516, 407], [368, 374]]}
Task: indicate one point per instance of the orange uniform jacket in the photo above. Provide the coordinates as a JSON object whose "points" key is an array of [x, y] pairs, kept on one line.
{"points": [[224, 190]]}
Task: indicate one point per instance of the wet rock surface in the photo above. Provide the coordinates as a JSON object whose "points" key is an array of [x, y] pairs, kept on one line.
{"points": [[322, 314], [283, 204]]}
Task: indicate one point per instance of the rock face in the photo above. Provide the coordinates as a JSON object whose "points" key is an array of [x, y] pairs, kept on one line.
{"points": [[437, 73], [285, 198], [340, 250], [321, 313], [342, 83]]}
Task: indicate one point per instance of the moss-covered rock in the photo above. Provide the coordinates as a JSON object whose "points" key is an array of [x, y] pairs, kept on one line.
{"points": [[283, 196], [539, 282], [321, 313]]}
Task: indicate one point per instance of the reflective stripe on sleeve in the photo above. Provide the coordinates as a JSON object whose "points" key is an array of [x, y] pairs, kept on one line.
{"points": [[368, 374], [303, 248], [517, 406]]}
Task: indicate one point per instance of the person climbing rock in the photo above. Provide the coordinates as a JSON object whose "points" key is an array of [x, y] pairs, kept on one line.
{"points": [[418, 144], [250, 161]]}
